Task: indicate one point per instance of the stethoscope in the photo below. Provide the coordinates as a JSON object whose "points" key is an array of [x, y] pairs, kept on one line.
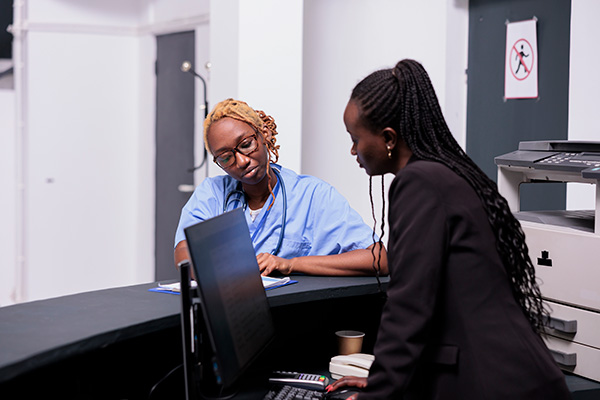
{"points": [[238, 196]]}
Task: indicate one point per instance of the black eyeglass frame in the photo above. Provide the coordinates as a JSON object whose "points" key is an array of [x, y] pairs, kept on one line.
{"points": [[236, 149]]}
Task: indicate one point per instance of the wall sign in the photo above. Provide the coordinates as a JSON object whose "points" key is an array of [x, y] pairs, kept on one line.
{"points": [[521, 64]]}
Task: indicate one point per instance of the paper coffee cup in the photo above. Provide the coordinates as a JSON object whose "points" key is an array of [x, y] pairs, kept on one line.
{"points": [[349, 342]]}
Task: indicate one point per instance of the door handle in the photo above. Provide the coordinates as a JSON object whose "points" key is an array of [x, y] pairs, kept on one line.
{"points": [[185, 188]]}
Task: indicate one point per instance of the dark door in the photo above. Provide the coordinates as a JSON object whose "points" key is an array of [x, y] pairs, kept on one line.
{"points": [[174, 142]]}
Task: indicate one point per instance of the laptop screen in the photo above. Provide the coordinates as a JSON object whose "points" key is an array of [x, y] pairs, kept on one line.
{"points": [[234, 303]]}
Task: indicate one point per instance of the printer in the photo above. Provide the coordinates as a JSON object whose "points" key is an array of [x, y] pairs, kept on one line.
{"points": [[564, 246]]}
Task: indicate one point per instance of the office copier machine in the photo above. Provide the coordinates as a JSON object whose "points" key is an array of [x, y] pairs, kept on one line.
{"points": [[564, 247]]}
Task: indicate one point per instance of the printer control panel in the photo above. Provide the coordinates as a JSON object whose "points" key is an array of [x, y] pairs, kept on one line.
{"points": [[565, 156], [582, 160]]}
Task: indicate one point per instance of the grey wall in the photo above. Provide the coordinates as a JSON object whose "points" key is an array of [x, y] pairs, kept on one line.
{"points": [[495, 126]]}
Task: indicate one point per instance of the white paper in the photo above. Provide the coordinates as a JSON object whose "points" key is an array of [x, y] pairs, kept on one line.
{"points": [[270, 282], [521, 64], [266, 280]]}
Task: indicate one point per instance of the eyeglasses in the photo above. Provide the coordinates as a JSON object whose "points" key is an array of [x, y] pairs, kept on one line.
{"points": [[246, 146]]}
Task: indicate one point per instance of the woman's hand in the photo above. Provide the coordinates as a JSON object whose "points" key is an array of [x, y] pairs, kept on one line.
{"points": [[268, 263], [348, 381]]}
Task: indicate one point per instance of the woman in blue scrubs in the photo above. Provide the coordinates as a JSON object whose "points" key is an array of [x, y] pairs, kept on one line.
{"points": [[298, 223]]}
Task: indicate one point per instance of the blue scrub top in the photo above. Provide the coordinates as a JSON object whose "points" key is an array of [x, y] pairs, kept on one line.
{"points": [[319, 219]]}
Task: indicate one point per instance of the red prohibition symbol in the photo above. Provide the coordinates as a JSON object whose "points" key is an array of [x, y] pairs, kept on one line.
{"points": [[521, 59]]}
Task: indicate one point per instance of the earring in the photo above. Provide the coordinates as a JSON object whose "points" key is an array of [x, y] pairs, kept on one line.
{"points": [[389, 152]]}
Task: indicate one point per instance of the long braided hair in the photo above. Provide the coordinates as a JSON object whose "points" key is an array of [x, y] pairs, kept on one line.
{"points": [[403, 98], [377, 260]]}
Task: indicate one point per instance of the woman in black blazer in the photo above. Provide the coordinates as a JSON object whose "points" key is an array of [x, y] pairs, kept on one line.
{"points": [[464, 311]]}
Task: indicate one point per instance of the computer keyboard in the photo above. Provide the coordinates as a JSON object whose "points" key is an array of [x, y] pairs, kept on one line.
{"points": [[287, 392]]}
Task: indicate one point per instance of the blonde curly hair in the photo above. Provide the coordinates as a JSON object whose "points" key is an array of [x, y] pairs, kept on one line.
{"points": [[241, 111]]}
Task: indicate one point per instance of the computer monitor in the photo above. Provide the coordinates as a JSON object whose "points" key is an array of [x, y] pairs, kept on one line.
{"points": [[235, 310]]}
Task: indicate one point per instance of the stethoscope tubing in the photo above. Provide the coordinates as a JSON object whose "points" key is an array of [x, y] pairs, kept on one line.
{"points": [[241, 198]]}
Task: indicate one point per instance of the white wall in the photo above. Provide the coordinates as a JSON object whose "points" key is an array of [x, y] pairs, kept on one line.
{"points": [[584, 86], [88, 100], [256, 56], [175, 12], [8, 198], [81, 195], [88, 153], [59, 14], [344, 41]]}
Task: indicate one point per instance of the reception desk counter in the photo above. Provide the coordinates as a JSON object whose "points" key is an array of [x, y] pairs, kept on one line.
{"points": [[120, 342]]}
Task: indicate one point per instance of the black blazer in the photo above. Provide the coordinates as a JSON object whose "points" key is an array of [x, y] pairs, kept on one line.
{"points": [[451, 328]]}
